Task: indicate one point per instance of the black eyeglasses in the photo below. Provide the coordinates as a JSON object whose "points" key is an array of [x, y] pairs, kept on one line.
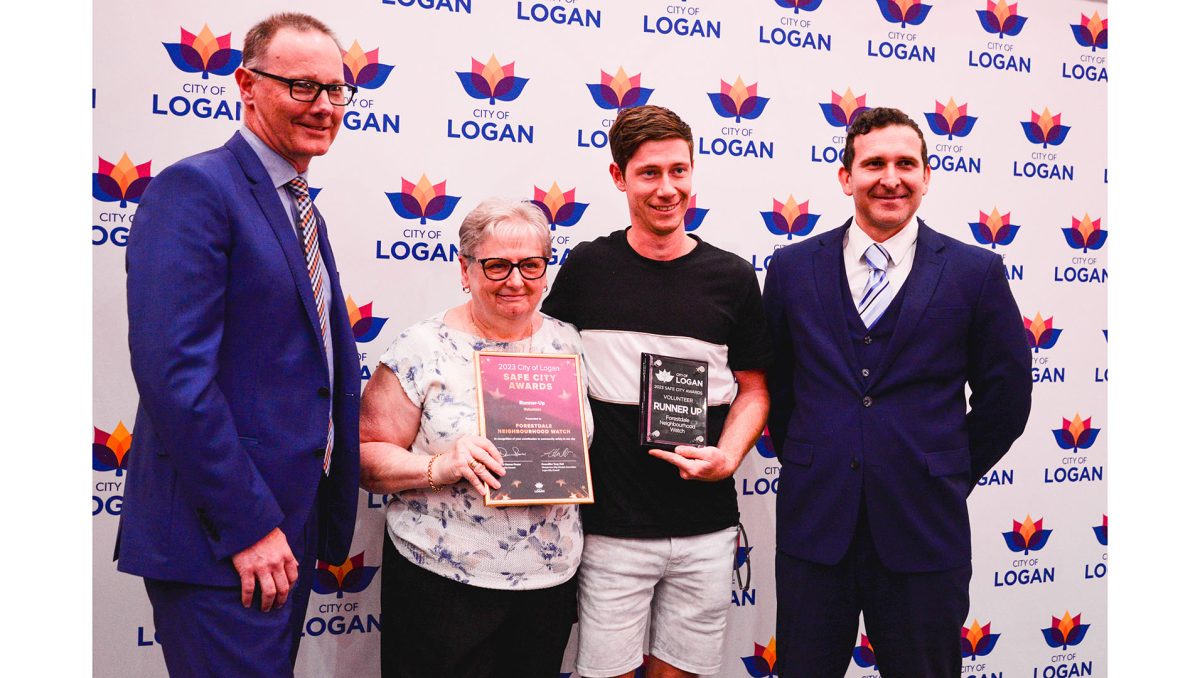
{"points": [[498, 268], [307, 91]]}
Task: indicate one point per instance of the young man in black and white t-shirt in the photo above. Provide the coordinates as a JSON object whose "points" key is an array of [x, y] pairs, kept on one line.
{"points": [[662, 533]]}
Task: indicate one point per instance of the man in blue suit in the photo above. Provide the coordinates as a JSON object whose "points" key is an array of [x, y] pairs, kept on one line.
{"points": [[244, 467], [878, 325]]}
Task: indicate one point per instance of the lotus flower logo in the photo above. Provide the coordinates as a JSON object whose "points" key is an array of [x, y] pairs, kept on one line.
{"points": [[123, 182], [1076, 434], [422, 200], [364, 325], [1085, 234], [109, 449], [349, 577], [798, 5], [864, 654], [1065, 632], [1027, 536], [741, 556], [904, 12], [790, 218], [1091, 32], [618, 91], [1045, 129], [363, 68], [978, 641], [738, 101], [761, 664], [1040, 334], [764, 445], [665, 376], [560, 208], [1102, 532], [1001, 19], [694, 216], [203, 53], [994, 229], [950, 120], [492, 81], [843, 109]]}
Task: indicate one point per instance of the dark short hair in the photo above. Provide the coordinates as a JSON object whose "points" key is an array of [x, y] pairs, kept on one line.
{"points": [[877, 118], [258, 38], [639, 124]]}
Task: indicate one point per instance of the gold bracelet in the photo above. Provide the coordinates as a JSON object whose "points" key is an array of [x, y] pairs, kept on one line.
{"points": [[429, 473]]}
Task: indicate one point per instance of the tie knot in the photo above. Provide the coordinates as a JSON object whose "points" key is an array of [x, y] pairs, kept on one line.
{"points": [[298, 187], [877, 257]]}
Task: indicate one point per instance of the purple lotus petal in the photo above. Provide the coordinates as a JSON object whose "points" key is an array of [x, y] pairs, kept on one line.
{"points": [[1101, 534], [890, 10], [1006, 234], [347, 74], [105, 188], [366, 329], [184, 57], [1101, 40], [963, 125], [986, 644], [1033, 132], [965, 647], [1054, 637], [864, 657], [405, 205], [723, 104], [358, 579], [137, 188], [103, 458], [1038, 539], [1050, 338], [693, 217], [834, 115], [440, 207], [916, 14], [775, 223], [224, 61], [1074, 238], [983, 234], [604, 96], [1082, 35], [1013, 25], [1057, 135], [857, 112], [990, 24], [510, 88], [1064, 439], [1075, 635], [757, 666], [1087, 438], [805, 224], [324, 582], [937, 124], [545, 210], [1097, 239], [474, 85], [570, 213], [1015, 541], [636, 96], [753, 107]]}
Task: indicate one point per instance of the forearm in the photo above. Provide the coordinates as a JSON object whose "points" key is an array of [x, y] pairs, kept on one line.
{"points": [[744, 424], [388, 468]]}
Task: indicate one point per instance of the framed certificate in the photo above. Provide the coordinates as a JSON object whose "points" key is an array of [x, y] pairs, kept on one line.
{"points": [[531, 408], [673, 402]]}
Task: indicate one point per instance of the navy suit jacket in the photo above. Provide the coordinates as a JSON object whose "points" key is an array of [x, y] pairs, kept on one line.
{"points": [[232, 377], [913, 449]]}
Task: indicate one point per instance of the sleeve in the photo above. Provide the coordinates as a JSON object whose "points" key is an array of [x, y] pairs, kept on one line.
{"points": [[998, 361], [560, 301], [750, 345], [781, 373], [177, 264], [410, 358]]}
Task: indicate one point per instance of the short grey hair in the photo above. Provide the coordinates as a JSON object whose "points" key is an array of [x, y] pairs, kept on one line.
{"points": [[258, 38], [500, 217]]}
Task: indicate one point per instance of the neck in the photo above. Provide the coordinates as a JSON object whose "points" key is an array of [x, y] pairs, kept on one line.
{"points": [[882, 235], [499, 329], [660, 247]]}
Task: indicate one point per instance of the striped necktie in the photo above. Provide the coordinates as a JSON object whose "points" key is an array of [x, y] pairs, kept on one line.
{"points": [[307, 225], [878, 292]]}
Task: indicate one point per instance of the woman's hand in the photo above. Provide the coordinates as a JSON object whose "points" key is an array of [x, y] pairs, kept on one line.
{"points": [[474, 459]]}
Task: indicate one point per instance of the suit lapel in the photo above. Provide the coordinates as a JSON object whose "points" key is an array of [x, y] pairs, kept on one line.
{"points": [[268, 200], [827, 270], [919, 287]]}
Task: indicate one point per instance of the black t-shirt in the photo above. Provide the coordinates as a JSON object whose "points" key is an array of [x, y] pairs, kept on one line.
{"points": [[705, 305]]}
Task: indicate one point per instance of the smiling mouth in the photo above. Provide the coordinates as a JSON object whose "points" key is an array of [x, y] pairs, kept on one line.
{"points": [[666, 208]]}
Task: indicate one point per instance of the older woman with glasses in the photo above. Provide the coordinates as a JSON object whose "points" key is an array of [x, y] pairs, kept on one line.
{"points": [[469, 590]]}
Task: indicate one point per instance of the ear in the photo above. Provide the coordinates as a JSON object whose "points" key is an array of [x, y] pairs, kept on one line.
{"points": [[925, 188], [462, 268], [844, 179], [245, 79], [618, 176]]}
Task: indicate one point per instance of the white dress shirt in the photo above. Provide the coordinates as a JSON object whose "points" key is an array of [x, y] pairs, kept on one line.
{"points": [[900, 249]]}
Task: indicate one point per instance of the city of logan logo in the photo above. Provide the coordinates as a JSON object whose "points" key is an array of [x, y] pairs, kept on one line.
{"points": [[492, 81], [203, 53], [1001, 19], [738, 100], [1045, 129], [363, 68], [1091, 32], [978, 641], [843, 109], [1027, 536], [422, 200], [365, 326], [349, 577], [994, 229], [122, 183], [1065, 632], [1076, 434], [109, 450], [1040, 334], [761, 664], [904, 12], [559, 207], [790, 218], [1085, 234], [864, 654], [694, 216], [766, 449], [618, 91], [950, 120], [1102, 531], [798, 6]]}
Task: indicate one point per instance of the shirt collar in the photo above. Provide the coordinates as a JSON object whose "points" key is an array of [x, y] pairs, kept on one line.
{"points": [[278, 168], [898, 246]]}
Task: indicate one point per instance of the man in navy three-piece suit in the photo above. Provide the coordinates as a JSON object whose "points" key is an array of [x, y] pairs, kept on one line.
{"points": [[244, 468], [878, 326]]}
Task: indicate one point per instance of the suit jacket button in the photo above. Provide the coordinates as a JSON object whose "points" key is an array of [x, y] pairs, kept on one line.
{"points": [[866, 372], [867, 339], [853, 464], [868, 401], [323, 391]]}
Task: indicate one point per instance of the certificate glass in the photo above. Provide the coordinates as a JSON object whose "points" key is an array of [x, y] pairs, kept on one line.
{"points": [[673, 402], [531, 408]]}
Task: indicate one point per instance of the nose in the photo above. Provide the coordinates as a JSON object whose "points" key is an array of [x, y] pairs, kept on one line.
{"points": [[514, 280], [664, 188], [322, 105], [890, 178]]}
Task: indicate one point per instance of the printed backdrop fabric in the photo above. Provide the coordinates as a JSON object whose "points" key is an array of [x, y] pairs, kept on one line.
{"points": [[463, 99]]}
